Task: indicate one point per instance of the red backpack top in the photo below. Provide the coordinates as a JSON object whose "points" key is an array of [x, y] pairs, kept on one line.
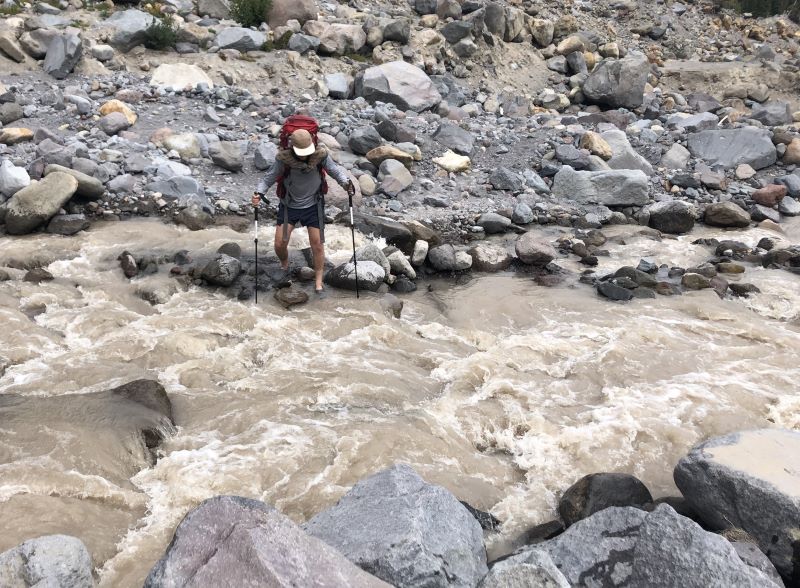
{"points": [[292, 124]]}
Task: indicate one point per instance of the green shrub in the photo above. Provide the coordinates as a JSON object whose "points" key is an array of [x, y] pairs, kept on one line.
{"points": [[278, 44], [11, 10], [250, 13], [162, 34]]}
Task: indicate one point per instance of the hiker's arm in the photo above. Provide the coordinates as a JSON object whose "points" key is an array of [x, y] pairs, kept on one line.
{"points": [[337, 172], [269, 179]]}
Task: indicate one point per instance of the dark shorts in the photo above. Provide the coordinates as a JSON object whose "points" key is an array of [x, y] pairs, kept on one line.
{"points": [[305, 217]]}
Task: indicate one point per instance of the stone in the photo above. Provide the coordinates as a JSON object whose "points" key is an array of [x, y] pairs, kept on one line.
{"points": [[124, 184], [340, 39], [677, 157], [63, 55], [218, 9], [614, 291], [597, 492], [228, 155], [103, 53], [693, 281], [532, 568], [303, 43], [385, 152], [113, 123], [9, 46], [609, 188], [542, 31], [364, 140], [400, 265], [494, 223], [12, 179], [130, 29], [282, 11], [51, 560], [36, 42], [194, 218], [531, 250], [265, 154], [236, 541], [118, 106], [222, 270], [405, 531], [10, 112], [618, 83], [773, 113], [624, 155], [370, 276], [291, 296], [15, 135], [731, 147], [770, 195], [392, 231], [37, 203], [750, 554], [187, 145], [672, 216], [240, 38], [180, 77], [749, 480], [490, 258], [454, 138], [503, 178], [693, 123], [371, 252], [175, 187], [744, 172], [792, 155], [445, 258], [452, 162], [420, 252], [596, 145], [456, 30], [789, 206], [399, 83], [88, 187], [340, 86], [68, 224], [726, 214], [522, 214], [394, 177]]}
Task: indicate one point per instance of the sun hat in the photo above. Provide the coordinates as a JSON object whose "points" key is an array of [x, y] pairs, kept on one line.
{"points": [[302, 143]]}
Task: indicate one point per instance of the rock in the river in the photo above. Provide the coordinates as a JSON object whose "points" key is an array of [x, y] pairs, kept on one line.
{"points": [[530, 569], [597, 492], [405, 531], [726, 214], [68, 224], [618, 83], [180, 77], [235, 541], [399, 83], [732, 147], [12, 179], [51, 560], [63, 55], [401, 266], [533, 251], [37, 203], [194, 218], [494, 223], [291, 296], [490, 258], [371, 252], [370, 276], [222, 270], [749, 480], [445, 258], [395, 233], [614, 292], [672, 216], [610, 188]]}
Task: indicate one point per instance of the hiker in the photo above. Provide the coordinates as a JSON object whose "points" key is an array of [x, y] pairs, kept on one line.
{"points": [[300, 169]]}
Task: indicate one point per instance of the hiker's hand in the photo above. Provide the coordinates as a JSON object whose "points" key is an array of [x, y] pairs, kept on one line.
{"points": [[256, 200], [351, 189]]}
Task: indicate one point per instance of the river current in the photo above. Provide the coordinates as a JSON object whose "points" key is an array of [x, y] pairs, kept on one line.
{"points": [[501, 390]]}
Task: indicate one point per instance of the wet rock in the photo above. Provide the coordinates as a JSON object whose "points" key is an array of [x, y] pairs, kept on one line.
{"points": [[398, 83], [597, 492], [128, 264], [230, 540], [610, 188], [12, 179], [732, 147], [694, 281], [371, 252], [68, 224], [38, 275], [394, 232], [490, 258], [614, 292], [370, 276], [222, 270], [194, 218], [533, 251], [51, 560], [228, 155], [748, 480], [726, 214], [405, 531], [291, 296], [445, 258], [618, 83], [672, 216], [130, 28], [494, 223], [63, 55], [37, 203], [532, 568]]}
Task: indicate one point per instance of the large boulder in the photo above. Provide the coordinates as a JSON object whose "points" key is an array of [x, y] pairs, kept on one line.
{"points": [[490, 258], [618, 83], [370, 276], [220, 9], [394, 232], [180, 77], [609, 188], [394, 177], [729, 148], [228, 155], [773, 113], [597, 492], [63, 55], [282, 11], [339, 39], [624, 156], [222, 270], [88, 187], [445, 258], [399, 83], [454, 138], [240, 38], [52, 560], [371, 252], [235, 541], [726, 214], [749, 480], [672, 216], [37, 203], [130, 28], [405, 531], [531, 250]]}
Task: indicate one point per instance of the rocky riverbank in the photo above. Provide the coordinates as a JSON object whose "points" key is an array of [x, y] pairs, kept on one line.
{"points": [[735, 525]]}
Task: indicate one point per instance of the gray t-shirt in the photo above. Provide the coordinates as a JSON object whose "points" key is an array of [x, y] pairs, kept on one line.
{"points": [[302, 187]]}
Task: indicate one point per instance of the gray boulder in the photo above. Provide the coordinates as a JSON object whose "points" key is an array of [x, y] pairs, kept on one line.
{"points": [[597, 492], [219, 9], [398, 30], [194, 218], [529, 569], [340, 86], [88, 187], [68, 224], [672, 216], [52, 560], [405, 531], [176, 187], [240, 38], [228, 155], [732, 147], [494, 223], [750, 554], [533, 251], [10, 112], [456, 30], [749, 480], [63, 55], [624, 156], [364, 140], [394, 232], [445, 258], [370, 276], [371, 252], [37, 203], [303, 43], [773, 113], [394, 177], [12, 179], [36, 42], [265, 155], [789, 206], [399, 83], [503, 178], [222, 270], [609, 188], [677, 157], [113, 123], [235, 541], [522, 214], [618, 83], [490, 258], [130, 28], [454, 138], [693, 123], [400, 265], [726, 214]]}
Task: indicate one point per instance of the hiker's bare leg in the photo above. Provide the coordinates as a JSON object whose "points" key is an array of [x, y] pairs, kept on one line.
{"points": [[318, 249], [281, 246]]}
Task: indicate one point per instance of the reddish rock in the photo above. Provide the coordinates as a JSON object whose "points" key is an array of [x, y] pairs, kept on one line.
{"points": [[769, 195]]}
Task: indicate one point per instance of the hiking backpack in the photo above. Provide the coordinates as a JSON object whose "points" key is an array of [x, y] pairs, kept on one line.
{"points": [[292, 124]]}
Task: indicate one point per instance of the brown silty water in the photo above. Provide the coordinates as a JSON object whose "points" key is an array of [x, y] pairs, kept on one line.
{"points": [[502, 391]]}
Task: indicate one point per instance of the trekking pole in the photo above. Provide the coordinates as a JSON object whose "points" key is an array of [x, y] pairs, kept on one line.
{"points": [[353, 233], [255, 239]]}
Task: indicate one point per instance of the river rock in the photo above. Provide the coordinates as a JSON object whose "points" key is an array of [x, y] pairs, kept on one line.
{"points": [[494, 223], [228, 155], [10, 112], [597, 492], [370, 276], [12, 179], [37, 203], [490, 258], [522, 214], [68, 224], [732, 147], [618, 83], [88, 187], [454, 138], [399, 83], [194, 218], [235, 541], [749, 480], [529, 569], [672, 216], [63, 55], [130, 29], [52, 560], [222, 270], [609, 188], [405, 531], [624, 156], [789, 206], [726, 214], [613, 291], [180, 77], [394, 232], [533, 251], [282, 11], [240, 38], [770, 195], [371, 252], [401, 266], [291, 296], [773, 113]]}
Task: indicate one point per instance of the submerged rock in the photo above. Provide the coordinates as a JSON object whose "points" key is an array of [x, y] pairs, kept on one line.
{"points": [[597, 492]]}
